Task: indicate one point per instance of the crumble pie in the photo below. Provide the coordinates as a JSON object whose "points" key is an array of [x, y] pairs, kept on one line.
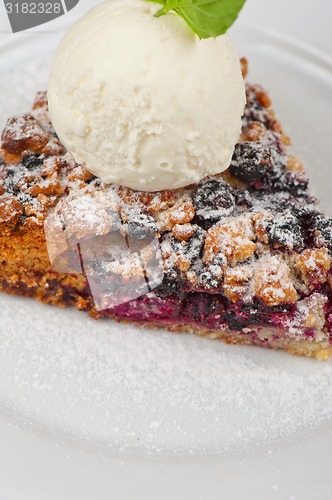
{"points": [[246, 254]]}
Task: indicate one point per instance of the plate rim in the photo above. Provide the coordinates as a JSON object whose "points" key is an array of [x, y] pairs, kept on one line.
{"points": [[321, 442]]}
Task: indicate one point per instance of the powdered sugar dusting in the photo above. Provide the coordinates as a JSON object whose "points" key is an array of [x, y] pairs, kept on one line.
{"points": [[119, 388]]}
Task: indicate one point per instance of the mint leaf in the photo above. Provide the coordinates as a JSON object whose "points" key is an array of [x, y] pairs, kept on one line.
{"points": [[207, 18]]}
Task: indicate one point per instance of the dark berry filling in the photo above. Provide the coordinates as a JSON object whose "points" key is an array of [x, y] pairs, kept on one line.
{"points": [[208, 311]]}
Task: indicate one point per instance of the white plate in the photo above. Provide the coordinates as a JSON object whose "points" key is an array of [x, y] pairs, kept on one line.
{"points": [[97, 410]]}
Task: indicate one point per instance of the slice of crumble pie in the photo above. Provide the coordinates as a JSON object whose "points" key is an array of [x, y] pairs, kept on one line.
{"points": [[245, 255]]}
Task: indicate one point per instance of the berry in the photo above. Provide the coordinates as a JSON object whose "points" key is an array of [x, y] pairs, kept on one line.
{"points": [[192, 248], [250, 162], [285, 230], [324, 236], [212, 199], [264, 169], [295, 184], [173, 285], [10, 182], [141, 227], [254, 111], [31, 161]]}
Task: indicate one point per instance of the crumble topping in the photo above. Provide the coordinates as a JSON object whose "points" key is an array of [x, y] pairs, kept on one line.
{"points": [[272, 282], [242, 233], [236, 281], [314, 265], [233, 238]]}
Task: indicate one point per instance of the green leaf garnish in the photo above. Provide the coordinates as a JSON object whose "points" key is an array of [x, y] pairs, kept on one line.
{"points": [[207, 18]]}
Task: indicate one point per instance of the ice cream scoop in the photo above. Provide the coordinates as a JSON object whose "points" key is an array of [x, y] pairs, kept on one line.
{"points": [[142, 101]]}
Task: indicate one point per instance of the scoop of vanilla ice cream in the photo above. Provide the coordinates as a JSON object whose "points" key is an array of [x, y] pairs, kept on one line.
{"points": [[141, 101]]}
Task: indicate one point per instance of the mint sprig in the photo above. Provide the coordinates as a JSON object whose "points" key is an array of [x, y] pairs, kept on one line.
{"points": [[207, 18]]}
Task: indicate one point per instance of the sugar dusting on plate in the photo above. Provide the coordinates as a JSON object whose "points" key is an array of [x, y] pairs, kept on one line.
{"points": [[117, 387]]}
